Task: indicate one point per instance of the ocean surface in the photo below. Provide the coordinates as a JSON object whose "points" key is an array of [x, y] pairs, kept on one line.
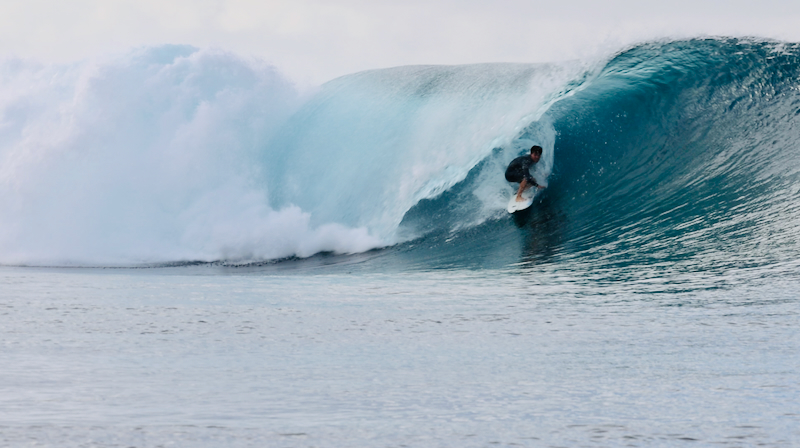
{"points": [[195, 253]]}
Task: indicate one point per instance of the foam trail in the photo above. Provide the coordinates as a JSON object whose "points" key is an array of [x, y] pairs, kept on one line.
{"points": [[150, 157]]}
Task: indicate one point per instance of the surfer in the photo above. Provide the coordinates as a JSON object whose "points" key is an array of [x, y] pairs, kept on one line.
{"points": [[519, 170]]}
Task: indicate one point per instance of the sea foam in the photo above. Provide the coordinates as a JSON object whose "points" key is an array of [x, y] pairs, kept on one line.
{"points": [[148, 157]]}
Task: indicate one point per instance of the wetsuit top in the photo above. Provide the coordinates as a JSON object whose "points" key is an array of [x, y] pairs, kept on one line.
{"points": [[520, 168]]}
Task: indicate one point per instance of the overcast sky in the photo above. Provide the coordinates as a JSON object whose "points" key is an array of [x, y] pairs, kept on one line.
{"points": [[313, 41]]}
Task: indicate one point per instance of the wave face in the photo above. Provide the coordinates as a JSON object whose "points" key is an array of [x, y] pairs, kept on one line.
{"points": [[671, 157], [683, 157]]}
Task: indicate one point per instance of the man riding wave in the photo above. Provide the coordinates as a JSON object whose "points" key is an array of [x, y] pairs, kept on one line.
{"points": [[519, 170]]}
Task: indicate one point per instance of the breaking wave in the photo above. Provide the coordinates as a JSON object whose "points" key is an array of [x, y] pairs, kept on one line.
{"points": [[679, 154]]}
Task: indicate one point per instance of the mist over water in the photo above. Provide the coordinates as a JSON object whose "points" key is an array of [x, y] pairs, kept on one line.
{"points": [[150, 157]]}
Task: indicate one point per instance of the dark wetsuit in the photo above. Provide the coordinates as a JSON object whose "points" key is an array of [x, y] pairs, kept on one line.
{"points": [[519, 169]]}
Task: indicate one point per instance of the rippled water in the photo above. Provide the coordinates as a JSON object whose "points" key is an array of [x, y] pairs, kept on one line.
{"points": [[208, 357]]}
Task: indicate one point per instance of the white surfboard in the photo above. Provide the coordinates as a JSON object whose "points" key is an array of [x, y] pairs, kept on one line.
{"points": [[527, 200]]}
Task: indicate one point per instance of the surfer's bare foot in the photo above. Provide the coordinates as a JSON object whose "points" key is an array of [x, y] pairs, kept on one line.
{"points": [[519, 199]]}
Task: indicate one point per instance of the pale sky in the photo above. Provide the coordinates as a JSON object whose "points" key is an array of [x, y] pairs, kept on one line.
{"points": [[313, 41]]}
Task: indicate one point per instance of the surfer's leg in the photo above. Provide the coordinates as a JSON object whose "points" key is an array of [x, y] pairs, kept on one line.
{"points": [[522, 186]]}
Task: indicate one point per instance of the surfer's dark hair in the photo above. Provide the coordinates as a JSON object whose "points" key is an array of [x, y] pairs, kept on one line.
{"points": [[536, 149]]}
